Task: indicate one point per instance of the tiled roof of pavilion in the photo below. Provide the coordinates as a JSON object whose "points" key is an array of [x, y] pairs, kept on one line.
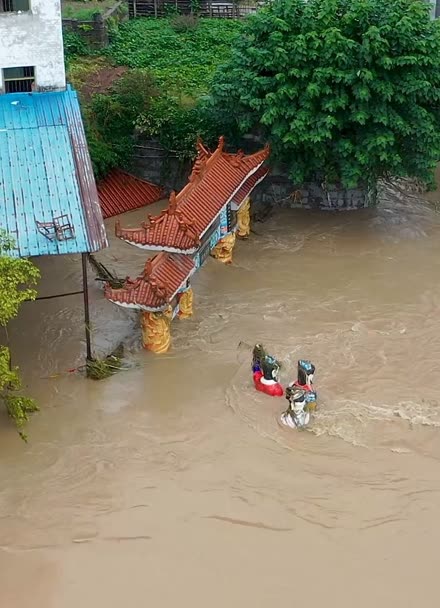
{"points": [[120, 192], [241, 195], [215, 179], [163, 276]]}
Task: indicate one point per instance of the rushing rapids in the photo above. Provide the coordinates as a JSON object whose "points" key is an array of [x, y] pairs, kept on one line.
{"points": [[175, 481]]}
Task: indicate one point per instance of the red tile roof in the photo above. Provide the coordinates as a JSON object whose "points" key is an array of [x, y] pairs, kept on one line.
{"points": [[162, 277], [170, 226], [249, 185], [215, 179], [120, 192]]}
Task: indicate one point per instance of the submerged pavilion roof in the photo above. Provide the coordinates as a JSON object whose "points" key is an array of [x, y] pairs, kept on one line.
{"points": [[163, 276], [120, 191], [214, 181]]}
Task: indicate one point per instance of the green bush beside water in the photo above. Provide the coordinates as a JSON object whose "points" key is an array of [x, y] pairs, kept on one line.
{"points": [[173, 61]]}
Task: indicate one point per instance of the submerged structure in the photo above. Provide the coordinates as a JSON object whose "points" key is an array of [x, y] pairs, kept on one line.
{"points": [[203, 219]]}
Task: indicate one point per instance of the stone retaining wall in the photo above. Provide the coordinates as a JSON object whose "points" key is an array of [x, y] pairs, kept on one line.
{"points": [[95, 32], [154, 164]]}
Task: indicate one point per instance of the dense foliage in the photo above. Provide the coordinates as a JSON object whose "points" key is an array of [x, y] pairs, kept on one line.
{"points": [[184, 61], [345, 88], [17, 277], [74, 46], [111, 119], [172, 63]]}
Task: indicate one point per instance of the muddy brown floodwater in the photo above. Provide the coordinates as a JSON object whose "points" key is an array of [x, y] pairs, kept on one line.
{"points": [[172, 484]]}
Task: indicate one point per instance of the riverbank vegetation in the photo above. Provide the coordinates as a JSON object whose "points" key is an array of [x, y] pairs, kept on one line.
{"points": [[84, 11], [344, 90], [168, 66], [17, 280]]}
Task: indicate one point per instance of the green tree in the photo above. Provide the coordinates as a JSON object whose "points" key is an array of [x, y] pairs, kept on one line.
{"points": [[111, 119], [17, 276], [346, 89]]}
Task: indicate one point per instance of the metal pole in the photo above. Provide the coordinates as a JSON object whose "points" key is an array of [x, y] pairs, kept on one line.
{"points": [[86, 307]]}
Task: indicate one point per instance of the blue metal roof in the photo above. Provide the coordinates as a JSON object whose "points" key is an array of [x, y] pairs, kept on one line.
{"points": [[45, 173]]}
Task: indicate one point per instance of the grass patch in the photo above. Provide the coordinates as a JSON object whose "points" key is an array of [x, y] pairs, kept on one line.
{"points": [[84, 11], [183, 62], [151, 80]]}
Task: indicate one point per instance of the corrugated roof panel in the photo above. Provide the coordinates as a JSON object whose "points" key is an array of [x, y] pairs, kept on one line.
{"points": [[46, 172]]}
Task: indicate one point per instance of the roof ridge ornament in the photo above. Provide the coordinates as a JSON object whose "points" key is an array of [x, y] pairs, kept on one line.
{"points": [[172, 205]]}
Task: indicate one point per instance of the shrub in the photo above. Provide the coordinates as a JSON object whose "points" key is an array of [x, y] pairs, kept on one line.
{"points": [[346, 88], [74, 45], [184, 23], [17, 278], [111, 119]]}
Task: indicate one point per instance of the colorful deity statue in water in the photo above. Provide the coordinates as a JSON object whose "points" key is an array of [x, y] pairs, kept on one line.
{"points": [[301, 397], [265, 370], [305, 375], [297, 415]]}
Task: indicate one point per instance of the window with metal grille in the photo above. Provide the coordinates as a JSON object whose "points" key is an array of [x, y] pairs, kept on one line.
{"points": [[14, 6], [19, 80]]}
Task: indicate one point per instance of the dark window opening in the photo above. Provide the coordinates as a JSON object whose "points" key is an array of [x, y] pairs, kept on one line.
{"points": [[206, 239], [19, 80], [229, 216], [14, 6], [204, 253]]}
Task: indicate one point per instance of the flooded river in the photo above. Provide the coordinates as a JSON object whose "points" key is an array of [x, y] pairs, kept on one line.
{"points": [[172, 484]]}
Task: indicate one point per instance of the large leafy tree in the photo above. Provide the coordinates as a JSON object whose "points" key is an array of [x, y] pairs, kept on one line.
{"points": [[17, 277], [346, 89]]}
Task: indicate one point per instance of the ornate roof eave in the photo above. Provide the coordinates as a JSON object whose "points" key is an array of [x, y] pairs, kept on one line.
{"points": [[171, 220], [128, 236], [148, 277], [255, 178], [140, 307], [158, 248]]}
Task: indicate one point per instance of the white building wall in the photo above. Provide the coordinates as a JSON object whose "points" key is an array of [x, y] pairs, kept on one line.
{"points": [[34, 38], [435, 8]]}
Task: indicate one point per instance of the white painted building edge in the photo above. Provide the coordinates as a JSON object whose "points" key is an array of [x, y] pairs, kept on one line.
{"points": [[34, 39], [435, 8]]}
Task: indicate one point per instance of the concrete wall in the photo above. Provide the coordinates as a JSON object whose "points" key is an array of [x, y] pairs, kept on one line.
{"points": [[435, 8], [34, 38], [278, 190], [153, 163]]}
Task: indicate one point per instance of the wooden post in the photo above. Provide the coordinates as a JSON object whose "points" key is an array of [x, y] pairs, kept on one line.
{"points": [[86, 307], [134, 9], [155, 8]]}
